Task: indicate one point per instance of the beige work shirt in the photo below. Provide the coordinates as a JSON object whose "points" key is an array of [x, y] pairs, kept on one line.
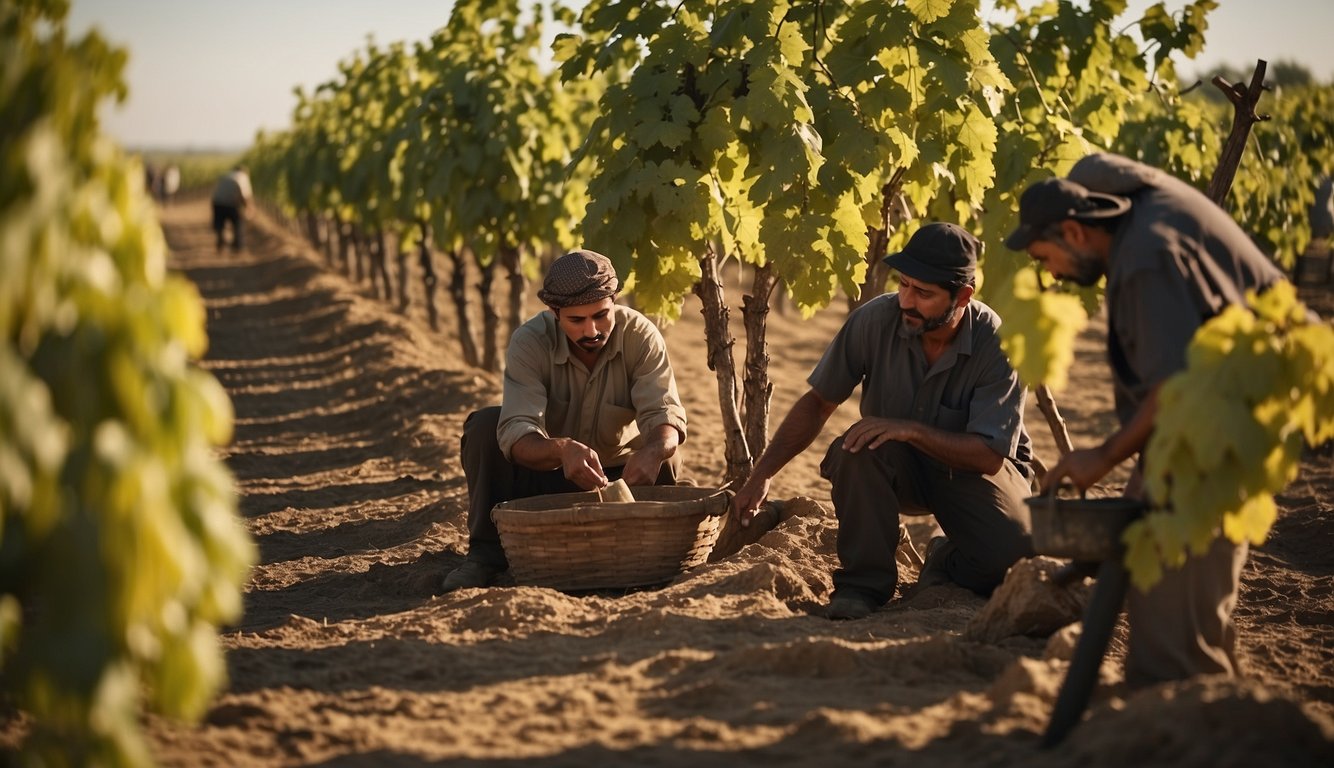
{"points": [[629, 392]]}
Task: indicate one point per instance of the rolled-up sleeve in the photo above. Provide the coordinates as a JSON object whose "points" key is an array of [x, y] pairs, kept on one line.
{"points": [[653, 385], [524, 405]]}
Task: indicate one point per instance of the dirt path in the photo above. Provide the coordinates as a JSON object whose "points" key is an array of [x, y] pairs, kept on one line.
{"points": [[345, 453]]}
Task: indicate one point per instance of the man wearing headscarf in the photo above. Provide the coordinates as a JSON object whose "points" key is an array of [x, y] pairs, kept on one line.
{"points": [[589, 398], [941, 432]]}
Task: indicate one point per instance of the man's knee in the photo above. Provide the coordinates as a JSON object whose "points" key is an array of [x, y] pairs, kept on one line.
{"points": [[841, 464], [481, 425], [479, 439]]}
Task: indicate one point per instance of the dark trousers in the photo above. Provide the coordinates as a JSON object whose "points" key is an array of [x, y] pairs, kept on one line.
{"points": [[224, 214], [985, 517], [492, 479]]}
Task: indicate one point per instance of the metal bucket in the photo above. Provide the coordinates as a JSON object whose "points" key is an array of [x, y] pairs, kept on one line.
{"points": [[1081, 529]]}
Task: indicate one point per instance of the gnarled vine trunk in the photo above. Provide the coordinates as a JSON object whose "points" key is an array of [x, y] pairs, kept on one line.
{"points": [[429, 280], [719, 341], [757, 387], [490, 319], [458, 290], [512, 258], [401, 269], [893, 212]]}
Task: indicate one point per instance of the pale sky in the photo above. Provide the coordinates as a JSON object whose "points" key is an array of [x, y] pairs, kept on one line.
{"points": [[208, 75]]}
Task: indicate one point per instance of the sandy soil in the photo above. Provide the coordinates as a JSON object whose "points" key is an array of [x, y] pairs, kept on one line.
{"points": [[348, 417]]}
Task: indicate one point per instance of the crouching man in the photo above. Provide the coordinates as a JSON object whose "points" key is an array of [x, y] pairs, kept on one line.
{"points": [[589, 398], [941, 430]]}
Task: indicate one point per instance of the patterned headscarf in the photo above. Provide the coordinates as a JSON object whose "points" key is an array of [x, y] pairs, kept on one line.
{"points": [[579, 277]]}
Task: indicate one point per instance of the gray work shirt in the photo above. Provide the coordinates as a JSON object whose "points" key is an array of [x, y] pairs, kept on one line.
{"points": [[1177, 259], [971, 388], [629, 392]]}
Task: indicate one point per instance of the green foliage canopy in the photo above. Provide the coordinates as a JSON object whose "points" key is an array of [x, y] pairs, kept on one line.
{"points": [[120, 549]]}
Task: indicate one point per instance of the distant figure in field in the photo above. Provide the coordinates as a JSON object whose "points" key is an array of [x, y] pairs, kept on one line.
{"points": [[231, 196], [589, 398], [1322, 211], [171, 183], [1316, 264], [150, 179]]}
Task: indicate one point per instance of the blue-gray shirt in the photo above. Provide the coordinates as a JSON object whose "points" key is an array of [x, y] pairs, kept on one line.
{"points": [[971, 388]]}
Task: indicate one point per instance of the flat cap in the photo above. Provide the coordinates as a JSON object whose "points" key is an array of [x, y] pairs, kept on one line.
{"points": [[939, 253]]}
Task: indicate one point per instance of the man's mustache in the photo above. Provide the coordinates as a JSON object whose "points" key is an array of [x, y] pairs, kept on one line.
{"points": [[593, 339]]}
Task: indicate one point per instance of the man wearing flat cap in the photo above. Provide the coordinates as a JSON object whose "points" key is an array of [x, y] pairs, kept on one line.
{"points": [[941, 431], [589, 398], [1172, 260]]}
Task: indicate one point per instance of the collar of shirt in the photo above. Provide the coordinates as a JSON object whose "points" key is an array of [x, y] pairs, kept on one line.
{"points": [[961, 344]]}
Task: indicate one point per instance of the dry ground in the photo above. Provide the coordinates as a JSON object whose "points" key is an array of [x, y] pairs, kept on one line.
{"points": [[348, 417]]}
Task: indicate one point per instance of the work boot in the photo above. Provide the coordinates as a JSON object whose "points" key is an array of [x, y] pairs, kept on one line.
{"points": [[848, 604], [934, 573], [471, 575]]}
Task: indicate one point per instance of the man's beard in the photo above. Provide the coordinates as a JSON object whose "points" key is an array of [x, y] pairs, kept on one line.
{"points": [[592, 343], [928, 323], [1086, 270]]}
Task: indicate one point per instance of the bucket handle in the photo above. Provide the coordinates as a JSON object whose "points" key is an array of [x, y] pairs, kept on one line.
{"points": [[1055, 491]]}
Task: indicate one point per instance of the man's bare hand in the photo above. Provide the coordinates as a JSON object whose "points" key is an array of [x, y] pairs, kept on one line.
{"points": [[1084, 467], [642, 468], [581, 466], [873, 432], [749, 498]]}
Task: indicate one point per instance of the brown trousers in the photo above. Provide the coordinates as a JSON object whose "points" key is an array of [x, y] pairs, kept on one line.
{"points": [[985, 517], [492, 479]]}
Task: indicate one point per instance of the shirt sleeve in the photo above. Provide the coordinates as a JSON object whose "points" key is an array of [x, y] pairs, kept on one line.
{"points": [[995, 412], [523, 407], [652, 382], [843, 364]]}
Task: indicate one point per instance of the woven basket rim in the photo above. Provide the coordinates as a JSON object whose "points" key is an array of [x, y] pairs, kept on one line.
{"points": [[624, 510], [575, 541], [587, 506]]}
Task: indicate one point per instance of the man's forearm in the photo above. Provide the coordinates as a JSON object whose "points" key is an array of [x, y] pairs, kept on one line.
{"points": [[661, 442], [537, 452], [795, 434], [1131, 438], [961, 450]]}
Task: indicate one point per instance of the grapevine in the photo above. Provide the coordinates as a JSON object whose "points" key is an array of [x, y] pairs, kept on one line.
{"points": [[1257, 386], [120, 547]]}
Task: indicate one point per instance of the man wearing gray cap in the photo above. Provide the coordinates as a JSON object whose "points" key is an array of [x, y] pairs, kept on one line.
{"points": [[941, 432], [1172, 259], [589, 398]]}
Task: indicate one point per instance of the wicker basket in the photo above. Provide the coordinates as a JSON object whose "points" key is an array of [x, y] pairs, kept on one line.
{"points": [[572, 541], [1081, 529]]}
